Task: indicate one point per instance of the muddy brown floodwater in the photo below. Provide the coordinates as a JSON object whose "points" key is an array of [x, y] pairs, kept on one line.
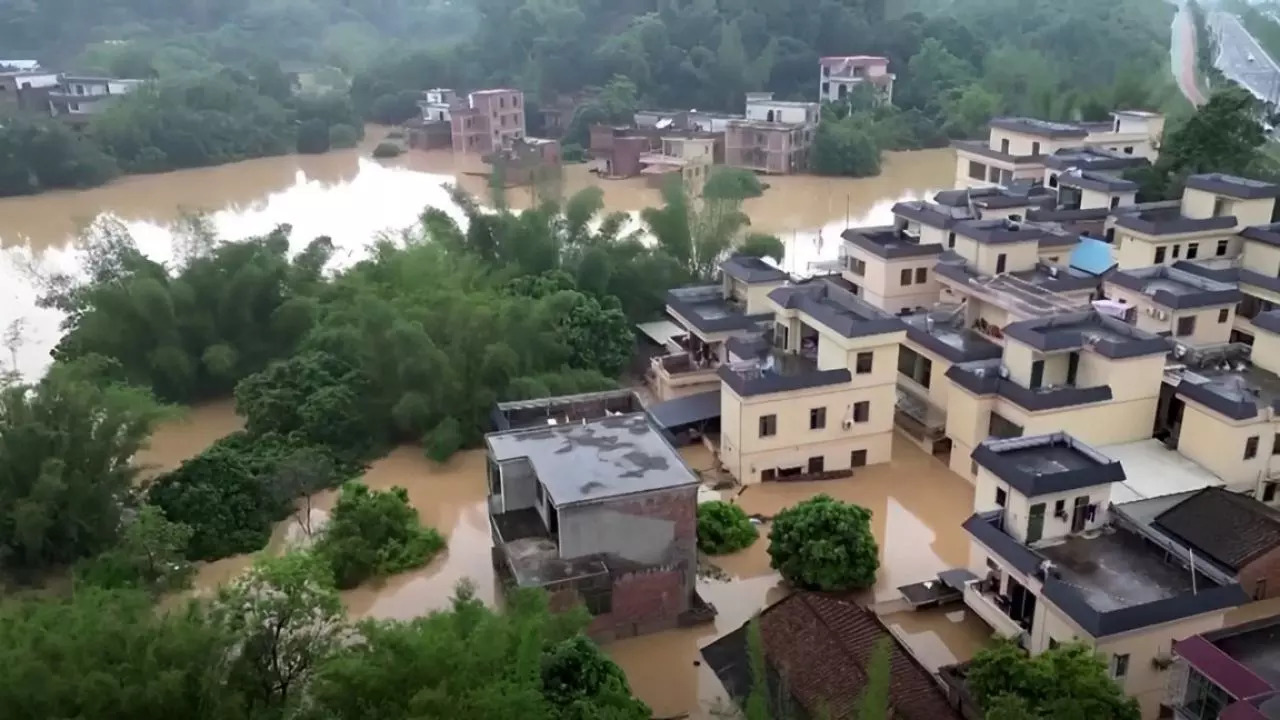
{"points": [[351, 198]]}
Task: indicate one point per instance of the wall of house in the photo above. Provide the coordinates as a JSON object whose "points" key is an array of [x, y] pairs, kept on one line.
{"points": [[1200, 204], [1143, 680], [1090, 199], [655, 528], [1018, 257], [1017, 507], [1261, 578], [1218, 445], [1023, 144], [1210, 327], [882, 286], [938, 382], [1266, 350], [518, 485], [1261, 258], [646, 601]]}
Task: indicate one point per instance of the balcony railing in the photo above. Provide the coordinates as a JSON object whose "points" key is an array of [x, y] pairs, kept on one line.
{"points": [[987, 608]]}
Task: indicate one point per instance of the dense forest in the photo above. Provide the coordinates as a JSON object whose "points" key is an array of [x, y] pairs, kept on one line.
{"points": [[221, 92]]}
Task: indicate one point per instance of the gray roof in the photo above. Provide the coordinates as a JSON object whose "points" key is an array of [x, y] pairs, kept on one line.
{"points": [[1107, 336], [999, 231], [889, 242], [1177, 289], [1233, 186], [1096, 181], [605, 458], [1269, 233], [751, 270], [1269, 321], [1040, 128], [1046, 464], [837, 308], [687, 410], [1166, 219], [1089, 158]]}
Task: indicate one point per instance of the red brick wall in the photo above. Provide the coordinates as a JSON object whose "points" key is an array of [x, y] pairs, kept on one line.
{"points": [[1265, 568], [643, 602]]}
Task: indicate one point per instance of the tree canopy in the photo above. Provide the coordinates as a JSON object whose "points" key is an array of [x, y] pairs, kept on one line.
{"points": [[824, 544], [1067, 682]]}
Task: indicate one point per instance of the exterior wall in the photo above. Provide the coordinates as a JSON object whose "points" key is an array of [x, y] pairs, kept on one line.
{"points": [[470, 130], [1017, 507], [1209, 330], [1024, 144], [938, 382], [1018, 256], [1266, 350], [518, 486], [775, 150], [782, 112], [1200, 204], [1143, 680], [1261, 578], [1261, 258], [1218, 444], [1135, 251], [643, 602], [881, 284], [1090, 199]]}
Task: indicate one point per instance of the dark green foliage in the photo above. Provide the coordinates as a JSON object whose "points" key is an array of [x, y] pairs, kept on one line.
{"points": [[724, 528], [388, 149], [824, 544], [1068, 682], [443, 440], [228, 506], [343, 136], [65, 449], [151, 556], [579, 681], [43, 154], [730, 183], [374, 534], [313, 137], [845, 147], [762, 246]]}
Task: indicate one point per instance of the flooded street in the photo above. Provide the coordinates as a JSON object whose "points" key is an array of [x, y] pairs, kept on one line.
{"points": [[352, 198]]}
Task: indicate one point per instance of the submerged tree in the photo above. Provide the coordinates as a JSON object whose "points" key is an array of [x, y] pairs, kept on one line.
{"points": [[824, 544]]}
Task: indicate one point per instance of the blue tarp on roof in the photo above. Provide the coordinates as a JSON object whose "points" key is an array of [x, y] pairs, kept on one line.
{"points": [[1092, 255], [687, 410]]}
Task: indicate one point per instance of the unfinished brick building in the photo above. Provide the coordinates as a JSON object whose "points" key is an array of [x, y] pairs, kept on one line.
{"points": [[589, 501]]}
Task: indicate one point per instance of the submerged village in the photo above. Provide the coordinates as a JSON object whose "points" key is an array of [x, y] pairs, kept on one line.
{"points": [[1029, 414]]}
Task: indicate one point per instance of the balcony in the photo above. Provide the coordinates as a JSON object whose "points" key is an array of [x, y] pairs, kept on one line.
{"points": [[992, 609], [677, 375]]}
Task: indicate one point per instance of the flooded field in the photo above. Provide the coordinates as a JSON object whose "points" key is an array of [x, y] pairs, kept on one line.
{"points": [[917, 507]]}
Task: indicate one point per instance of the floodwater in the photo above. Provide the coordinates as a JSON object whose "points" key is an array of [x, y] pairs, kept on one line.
{"points": [[917, 507], [353, 198]]}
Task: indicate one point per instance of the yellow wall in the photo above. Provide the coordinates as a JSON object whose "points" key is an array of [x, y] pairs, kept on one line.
{"points": [[1208, 329], [1218, 445], [1017, 507], [1266, 350], [1018, 257], [1261, 258], [1200, 204], [1091, 199], [1135, 250], [1023, 144], [881, 284]]}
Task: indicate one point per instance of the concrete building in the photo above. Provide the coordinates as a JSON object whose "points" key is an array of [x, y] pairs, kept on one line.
{"points": [[589, 501], [812, 397], [1228, 674], [689, 158], [838, 76], [438, 104], [490, 120], [525, 161], [1051, 566], [774, 137], [27, 89], [78, 96], [1017, 148]]}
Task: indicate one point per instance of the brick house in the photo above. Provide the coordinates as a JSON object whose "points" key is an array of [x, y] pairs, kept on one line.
{"points": [[589, 501], [491, 119], [816, 652], [1234, 531]]}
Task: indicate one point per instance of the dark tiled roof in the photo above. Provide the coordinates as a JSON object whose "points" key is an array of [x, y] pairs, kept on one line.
{"points": [[1176, 288], [751, 270], [821, 647], [1230, 528], [1232, 186]]}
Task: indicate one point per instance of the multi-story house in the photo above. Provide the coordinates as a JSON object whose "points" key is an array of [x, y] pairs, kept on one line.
{"points": [[814, 396], [27, 88], [774, 137], [838, 76], [1228, 674], [1017, 148], [689, 158], [1050, 565], [490, 120], [76, 96], [708, 315], [438, 104], [590, 502]]}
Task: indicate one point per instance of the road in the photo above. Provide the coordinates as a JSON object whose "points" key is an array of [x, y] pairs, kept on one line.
{"points": [[1182, 56], [1235, 46]]}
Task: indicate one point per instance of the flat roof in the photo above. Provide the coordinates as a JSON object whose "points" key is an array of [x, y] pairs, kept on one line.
{"points": [[1035, 292], [707, 309], [1224, 379], [1153, 470], [1233, 186], [1175, 288], [1114, 570], [1255, 645], [889, 242], [1106, 335], [764, 369], [943, 332], [752, 270], [1093, 180], [1167, 220], [836, 307], [1044, 464], [1092, 158], [595, 460], [999, 231], [1041, 128]]}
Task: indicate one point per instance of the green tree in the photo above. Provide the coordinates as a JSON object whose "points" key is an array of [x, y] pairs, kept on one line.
{"points": [[824, 544], [724, 528], [1068, 681], [285, 620], [581, 682], [845, 147], [66, 450], [762, 246], [374, 533], [151, 555], [873, 703], [730, 183]]}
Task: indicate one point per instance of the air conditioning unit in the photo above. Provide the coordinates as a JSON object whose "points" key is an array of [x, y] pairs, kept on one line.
{"points": [[1162, 315]]}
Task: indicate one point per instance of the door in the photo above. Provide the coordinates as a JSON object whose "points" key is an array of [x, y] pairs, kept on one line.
{"points": [[816, 464], [1035, 524], [1078, 513], [1037, 374]]}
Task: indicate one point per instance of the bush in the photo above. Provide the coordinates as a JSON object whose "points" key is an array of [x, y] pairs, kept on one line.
{"points": [[1070, 680], [343, 136], [387, 149], [313, 137], [824, 544], [573, 153], [724, 528], [372, 533]]}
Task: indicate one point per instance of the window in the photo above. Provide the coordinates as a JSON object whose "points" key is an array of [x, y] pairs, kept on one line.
{"points": [[977, 171], [1004, 146], [1251, 448], [1193, 249], [921, 275], [1037, 374], [951, 240], [1223, 314], [1001, 259], [1128, 149], [858, 458], [857, 267], [905, 276], [1204, 699], [1115, 201], [1176, 249], [1119, 666], [816, 464], [1269, 492], [973, 468], [1275, 445], [768, 425], [1159, 255], [826, 88], [1060, 508], [862, 411], [769, 475], [1035, 148], [1002, 497], [1053, 643], [1186, 326], [1260, 589], [862, 364], [1001, 427], [538, 493], [915, 366], [1220, 207], [817, 418], [1222, 248], [1035, 523]]}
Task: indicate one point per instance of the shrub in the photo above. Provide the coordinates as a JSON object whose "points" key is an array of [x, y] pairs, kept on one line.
{"points": [[824, 544], [373, 533], [386, 149], [724, 528], [343, 136]]}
